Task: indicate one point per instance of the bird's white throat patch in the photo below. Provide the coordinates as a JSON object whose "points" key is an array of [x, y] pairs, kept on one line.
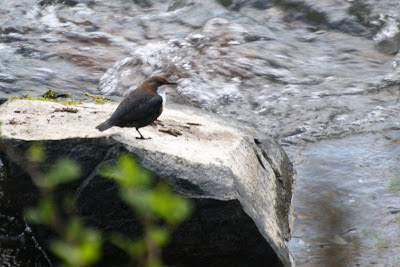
{"points": [[161, 92]]}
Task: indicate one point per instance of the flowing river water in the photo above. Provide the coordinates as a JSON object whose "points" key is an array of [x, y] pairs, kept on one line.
{"points": [[323, 77]]}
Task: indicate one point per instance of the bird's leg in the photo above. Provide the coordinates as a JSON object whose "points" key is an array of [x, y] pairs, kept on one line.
{"points": [[141, 136]]}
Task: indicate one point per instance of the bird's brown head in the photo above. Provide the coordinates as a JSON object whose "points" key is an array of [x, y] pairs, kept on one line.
{"points": [[155, 81]]}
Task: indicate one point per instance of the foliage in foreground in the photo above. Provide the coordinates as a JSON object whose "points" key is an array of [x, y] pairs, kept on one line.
{"points": [[79, 245]]}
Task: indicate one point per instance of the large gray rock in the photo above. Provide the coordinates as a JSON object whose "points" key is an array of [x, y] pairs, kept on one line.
{"points": [[240, 179]]}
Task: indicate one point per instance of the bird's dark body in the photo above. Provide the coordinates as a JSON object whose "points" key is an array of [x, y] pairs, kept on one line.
{"points": [[137, 110], [140, 108]]}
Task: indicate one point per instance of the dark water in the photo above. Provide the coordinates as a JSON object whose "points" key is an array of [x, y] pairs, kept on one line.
{"points": [[321, 76], [346, 202]]}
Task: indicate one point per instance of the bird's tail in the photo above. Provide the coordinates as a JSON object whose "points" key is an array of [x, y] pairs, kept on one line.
{"points": [[103, 126]]}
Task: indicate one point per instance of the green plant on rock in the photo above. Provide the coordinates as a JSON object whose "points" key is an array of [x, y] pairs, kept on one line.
{"points": [[98, 99], [48, 96]]}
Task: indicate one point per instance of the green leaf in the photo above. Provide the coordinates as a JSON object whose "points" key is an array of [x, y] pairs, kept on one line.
{"points": [[137, 199], [158, 234], [36, 152], [126, 173], [133, 174], [168, 204], [154, 262], [82, 248], [74, 230], [110, 172], [42, 214], [131, 247], [63, 171], [90, 249]]}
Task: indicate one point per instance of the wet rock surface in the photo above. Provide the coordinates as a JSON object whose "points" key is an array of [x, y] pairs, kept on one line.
{"points": [[239, 178]]}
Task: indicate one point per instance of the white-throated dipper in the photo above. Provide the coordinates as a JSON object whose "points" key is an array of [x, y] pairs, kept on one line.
{"points": [[141, 107]]}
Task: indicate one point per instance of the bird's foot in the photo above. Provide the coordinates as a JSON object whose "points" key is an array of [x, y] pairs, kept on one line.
{"points": [[142, 138]]}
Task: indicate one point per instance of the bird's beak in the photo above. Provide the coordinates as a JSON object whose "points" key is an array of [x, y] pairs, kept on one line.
{"points": [[171, 83]]}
